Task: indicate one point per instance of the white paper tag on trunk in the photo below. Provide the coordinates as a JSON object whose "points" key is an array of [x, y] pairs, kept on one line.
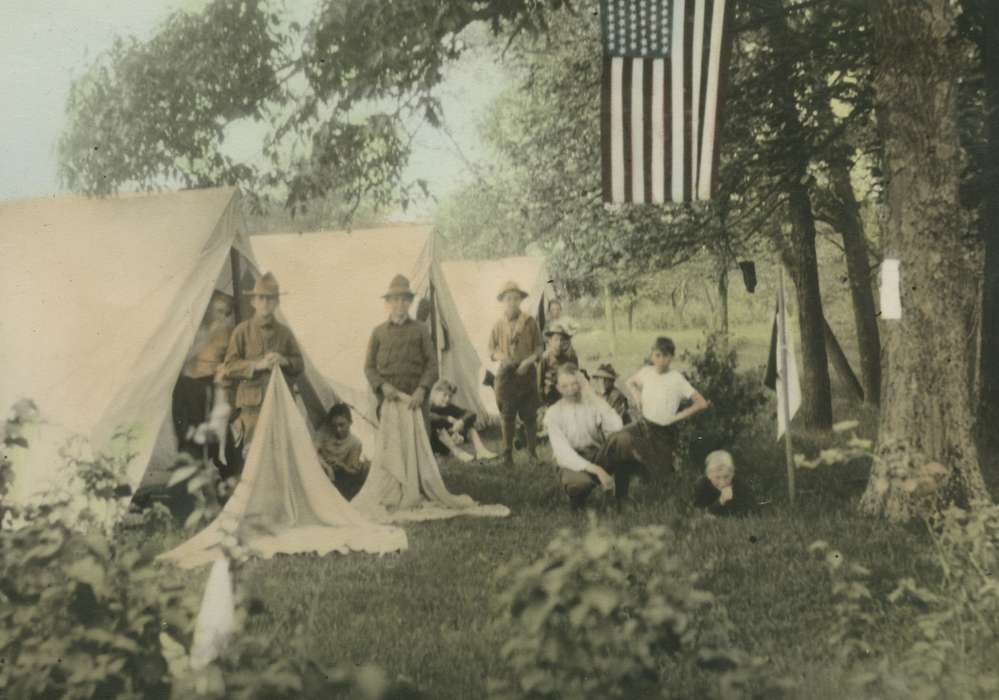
{"points": [[891, 293]]}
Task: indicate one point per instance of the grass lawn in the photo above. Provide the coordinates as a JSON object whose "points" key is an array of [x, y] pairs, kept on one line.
{"points": [[430, 615]]}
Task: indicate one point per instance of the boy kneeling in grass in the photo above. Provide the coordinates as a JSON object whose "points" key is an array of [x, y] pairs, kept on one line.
{"points": [[719, 492], [452, 425], [340, 452], [658, 392]]}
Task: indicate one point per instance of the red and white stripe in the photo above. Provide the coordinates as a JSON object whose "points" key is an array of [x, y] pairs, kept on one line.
{"points": [[660, 115]]}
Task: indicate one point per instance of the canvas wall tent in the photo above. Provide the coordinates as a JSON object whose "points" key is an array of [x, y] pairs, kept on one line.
{"points": [[335, 285], [100, 300], [478, 282]]}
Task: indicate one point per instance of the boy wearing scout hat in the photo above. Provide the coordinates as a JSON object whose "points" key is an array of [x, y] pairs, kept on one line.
{"points": [[401, 358], [257, 346], [515, 344], [604, 379], [558, 352]]}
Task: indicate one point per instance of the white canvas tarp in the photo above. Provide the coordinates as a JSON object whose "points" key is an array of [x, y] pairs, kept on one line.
{"points": [[284, 503], [335, 282], [404, 483], [474, 284]]}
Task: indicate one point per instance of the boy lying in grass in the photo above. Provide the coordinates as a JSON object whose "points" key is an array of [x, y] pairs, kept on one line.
{"points": [[718, 492]]}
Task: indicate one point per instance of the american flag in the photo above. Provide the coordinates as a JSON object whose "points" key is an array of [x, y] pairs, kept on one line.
{"points": [[664, 69]]}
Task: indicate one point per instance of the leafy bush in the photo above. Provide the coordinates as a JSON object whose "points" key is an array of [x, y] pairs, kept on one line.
{"points": [[954, 614], [735, 397], [610, 616], [88, 615], [81, 615]]}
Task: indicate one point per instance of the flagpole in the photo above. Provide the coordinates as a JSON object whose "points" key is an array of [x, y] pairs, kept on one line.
{"points": [[784, 388]]}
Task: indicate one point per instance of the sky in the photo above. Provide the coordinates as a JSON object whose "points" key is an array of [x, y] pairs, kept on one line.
{"points": [[48, 42]]}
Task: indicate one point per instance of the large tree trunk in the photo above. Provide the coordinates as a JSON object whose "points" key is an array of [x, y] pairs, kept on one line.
{"points": [[926, 410], [816, 405], [988, 416], [851, 227], [632, 303]]}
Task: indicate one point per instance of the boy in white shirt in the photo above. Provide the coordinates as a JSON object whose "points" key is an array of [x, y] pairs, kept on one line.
{"points": [[658, 391], [589, 447]]}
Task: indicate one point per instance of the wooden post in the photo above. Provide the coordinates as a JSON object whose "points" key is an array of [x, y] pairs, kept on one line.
{"points": [[784, 389], [237, 297], [433, 317], [609, 318]]}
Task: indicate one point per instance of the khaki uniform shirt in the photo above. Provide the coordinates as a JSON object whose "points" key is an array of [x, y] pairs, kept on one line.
{"points": [[251, 341], [515, 340], [207, 352]]}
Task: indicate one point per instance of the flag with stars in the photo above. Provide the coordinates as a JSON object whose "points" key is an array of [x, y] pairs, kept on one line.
{"points": [[663, 79]]}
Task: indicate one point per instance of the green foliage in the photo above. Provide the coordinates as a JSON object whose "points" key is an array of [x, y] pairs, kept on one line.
{"points": [[601, 615], [953, 614], [80, 616], [332, 85], [736, 398], [88, 615]]}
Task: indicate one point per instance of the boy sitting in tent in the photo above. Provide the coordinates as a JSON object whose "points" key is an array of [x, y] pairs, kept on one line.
{"points": [[258, 345], [452, 425], [340, 452], [193, 394]]}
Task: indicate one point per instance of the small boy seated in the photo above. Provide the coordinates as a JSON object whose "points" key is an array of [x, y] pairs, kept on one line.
{"points": [[451, 425], [340, 452], [719, 492]]}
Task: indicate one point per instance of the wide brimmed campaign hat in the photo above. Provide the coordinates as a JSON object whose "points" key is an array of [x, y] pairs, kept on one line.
{"points": [[266, 286], [511, 286], [606, 371], [399, 287], [558, 328]]}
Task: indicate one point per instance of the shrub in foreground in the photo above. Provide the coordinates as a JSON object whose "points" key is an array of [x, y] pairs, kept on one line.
{"points": [[605, 615]]}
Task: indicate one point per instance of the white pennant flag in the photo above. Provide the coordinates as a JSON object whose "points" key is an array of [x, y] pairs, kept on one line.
{"points": [[216, 619], [793, 385]]}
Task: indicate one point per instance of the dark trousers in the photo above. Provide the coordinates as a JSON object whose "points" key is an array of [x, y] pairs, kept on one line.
{"points": [[517, 396], [654, 446], [192, 404], [617, 457]]}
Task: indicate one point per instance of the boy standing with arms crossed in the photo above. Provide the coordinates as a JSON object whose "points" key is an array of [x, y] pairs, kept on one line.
{"points": [[515, 343], [658, 391]]}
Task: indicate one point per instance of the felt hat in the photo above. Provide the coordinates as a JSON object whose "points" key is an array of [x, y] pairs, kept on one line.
{"points": [[266, 286], [557, 328], [605, 371], [511, 286], [399, 287]]}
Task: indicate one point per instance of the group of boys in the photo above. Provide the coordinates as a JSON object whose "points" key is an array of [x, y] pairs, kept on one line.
{"points": [[594, 442]]}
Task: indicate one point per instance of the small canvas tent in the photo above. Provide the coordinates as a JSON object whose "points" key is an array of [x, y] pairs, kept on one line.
{"points": [[335, 285], [100, 300], [476, 283]]}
